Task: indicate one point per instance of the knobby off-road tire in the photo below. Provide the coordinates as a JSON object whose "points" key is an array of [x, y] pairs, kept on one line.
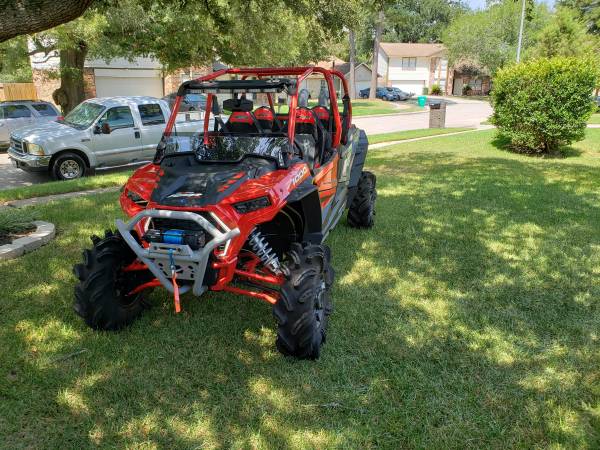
{"points": [[361, 213], [304, 306], [100, 296]]}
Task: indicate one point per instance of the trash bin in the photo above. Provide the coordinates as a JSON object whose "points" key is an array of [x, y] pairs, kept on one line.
{"points": [[421, 100], [437, 114]]}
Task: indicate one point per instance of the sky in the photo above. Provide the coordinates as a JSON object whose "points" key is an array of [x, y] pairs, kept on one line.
{"points": [[480, 4]]}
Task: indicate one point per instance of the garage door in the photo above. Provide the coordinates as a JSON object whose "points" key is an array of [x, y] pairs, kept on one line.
{"points": [[360, 85], [108, 86], [410, 86]]}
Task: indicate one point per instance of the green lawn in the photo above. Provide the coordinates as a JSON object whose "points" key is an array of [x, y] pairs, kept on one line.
{"points": [[595, 119], [411, 134], [373, 107], [467, 318], [61, 187]]}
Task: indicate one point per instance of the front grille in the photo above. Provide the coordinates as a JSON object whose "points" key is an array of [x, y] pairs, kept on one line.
{"points": [[162, 224], [17, 145]]}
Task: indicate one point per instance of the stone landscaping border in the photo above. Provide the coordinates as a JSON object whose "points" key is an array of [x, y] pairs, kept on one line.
{"points": [[43, 234]]}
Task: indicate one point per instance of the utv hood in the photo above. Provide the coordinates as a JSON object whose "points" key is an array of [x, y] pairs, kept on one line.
{"points": [[186, 182]]}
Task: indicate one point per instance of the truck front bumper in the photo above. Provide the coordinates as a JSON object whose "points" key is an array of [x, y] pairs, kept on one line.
{"points": [[30, 163]]}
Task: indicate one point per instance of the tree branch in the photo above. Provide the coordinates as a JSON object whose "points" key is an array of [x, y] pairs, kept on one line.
{"points": [[31, 16]]}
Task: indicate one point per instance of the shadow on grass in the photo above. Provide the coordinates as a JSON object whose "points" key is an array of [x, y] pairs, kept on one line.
{"points": [[466, 318], [502, 142]]}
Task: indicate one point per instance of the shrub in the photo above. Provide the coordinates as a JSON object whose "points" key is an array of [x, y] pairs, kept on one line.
{"points": [[14, 220], [436, 89], [425, 90], [544, 103], [467, 89]]}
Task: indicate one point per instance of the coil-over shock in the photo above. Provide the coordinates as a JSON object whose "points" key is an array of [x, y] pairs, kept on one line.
{"points": [[263, 250]]}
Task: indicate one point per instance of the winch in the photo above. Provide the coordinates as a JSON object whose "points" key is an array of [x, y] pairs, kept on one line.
{"points": [[195, 239]]}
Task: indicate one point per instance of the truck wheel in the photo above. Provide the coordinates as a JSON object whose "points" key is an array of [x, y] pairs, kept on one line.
{"points": [[68, 166], [305, 303], [361, 213], [101, 296]]}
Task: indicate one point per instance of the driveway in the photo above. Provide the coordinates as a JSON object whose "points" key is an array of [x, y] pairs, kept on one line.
{"points": [[459, 113], [11, 177]]}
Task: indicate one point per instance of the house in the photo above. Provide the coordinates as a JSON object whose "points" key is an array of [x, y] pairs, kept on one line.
{"points": [[413, 67], [362, 76], [119, 76]]}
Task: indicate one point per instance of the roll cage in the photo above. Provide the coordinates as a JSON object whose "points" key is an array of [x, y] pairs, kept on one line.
{"points": [[265, 83]]}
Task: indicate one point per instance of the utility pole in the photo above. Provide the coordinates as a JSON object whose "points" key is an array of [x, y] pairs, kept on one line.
{"points": [[352, 64], [521, 31]]}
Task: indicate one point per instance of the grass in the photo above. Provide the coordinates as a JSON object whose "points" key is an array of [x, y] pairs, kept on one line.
{"points": [[15, 220], [62, 187], [411, 134], [467, 318], [361, 107], [595, 119]]}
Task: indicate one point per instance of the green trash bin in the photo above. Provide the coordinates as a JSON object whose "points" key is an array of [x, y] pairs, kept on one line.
{"points": [[421, 100]]}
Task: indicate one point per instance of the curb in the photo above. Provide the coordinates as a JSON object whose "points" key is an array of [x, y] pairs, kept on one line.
{"points": [[43, 234]]}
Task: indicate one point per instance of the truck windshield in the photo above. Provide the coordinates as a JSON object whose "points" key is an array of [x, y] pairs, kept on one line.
{"points": [[83, 115]]}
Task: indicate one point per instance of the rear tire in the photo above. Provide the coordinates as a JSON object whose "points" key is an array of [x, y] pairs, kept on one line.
{"points": [[100, 296], [361, 213], [304, 306]]}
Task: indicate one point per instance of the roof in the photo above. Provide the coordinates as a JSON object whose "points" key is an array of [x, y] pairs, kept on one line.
{"points": [[341, 65], [407, 49], [123, 100]]}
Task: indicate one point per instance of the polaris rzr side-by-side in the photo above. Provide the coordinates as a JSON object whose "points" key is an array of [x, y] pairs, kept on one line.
{"points": [[243, 205]]}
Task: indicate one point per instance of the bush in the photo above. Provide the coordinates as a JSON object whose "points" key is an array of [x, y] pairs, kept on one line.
{"points": [[543, 104], [14, 220], [436, 89], [467, 90], [425, 91]]}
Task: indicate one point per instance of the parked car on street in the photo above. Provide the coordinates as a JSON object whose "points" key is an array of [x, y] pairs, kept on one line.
{"points": [[384, 93], [400, 94], [98, 133], [191, 102], [17, 114]]}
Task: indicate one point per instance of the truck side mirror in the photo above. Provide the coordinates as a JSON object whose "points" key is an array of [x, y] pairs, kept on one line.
{"points": [[106, 128]]}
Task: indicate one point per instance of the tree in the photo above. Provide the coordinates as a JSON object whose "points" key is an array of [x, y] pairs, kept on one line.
{"points": [[565, 35], [374, 64], [488, 38], [588, 11], [195, 32], [352, 60], [31, 16], [14, 62]]}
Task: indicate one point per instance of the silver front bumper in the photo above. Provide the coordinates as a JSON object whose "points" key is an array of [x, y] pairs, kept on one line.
{"points": [[26, 160], [189, 264]]}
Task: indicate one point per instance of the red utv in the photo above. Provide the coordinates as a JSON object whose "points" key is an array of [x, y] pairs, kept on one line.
{"points": [[242, 206]]}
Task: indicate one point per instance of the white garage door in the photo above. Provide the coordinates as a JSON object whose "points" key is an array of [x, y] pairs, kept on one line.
{"points": [[410, 86], [360, 85], [111, 83]]}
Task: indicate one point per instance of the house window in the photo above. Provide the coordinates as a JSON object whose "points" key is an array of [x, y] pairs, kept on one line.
{"points": [[409, 63]]}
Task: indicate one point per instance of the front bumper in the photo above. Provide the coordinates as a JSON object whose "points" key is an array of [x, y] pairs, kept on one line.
{"points": [[190, 264], [31, 163]]}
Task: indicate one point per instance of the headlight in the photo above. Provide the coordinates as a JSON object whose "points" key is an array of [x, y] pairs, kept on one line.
{"points": [[252, 205], [34, 149]]}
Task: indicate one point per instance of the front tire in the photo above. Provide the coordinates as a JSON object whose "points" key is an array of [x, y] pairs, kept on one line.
{"points": [[68, 166], [361, 213], [101, 296], [304, 306]]}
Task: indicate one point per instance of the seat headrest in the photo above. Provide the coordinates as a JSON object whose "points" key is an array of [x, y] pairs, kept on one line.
{"points": [[305, 115], [238, 104], [321, 112], [241, 117], [264, 113]]}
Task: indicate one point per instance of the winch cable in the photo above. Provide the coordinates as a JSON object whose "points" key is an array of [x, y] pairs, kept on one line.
{"points": [[174, 281]]}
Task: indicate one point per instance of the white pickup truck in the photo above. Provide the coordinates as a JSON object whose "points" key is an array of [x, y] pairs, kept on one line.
{"points": [[98, 133]]}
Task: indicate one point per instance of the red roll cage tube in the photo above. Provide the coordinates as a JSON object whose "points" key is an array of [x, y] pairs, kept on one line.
{"points": [[300, 72]]}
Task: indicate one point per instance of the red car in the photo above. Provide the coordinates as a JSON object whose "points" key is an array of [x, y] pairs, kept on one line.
{"points": [[242, 206]]}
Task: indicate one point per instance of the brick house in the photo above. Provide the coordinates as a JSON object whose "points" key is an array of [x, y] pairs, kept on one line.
{"points": [[141, 76]]}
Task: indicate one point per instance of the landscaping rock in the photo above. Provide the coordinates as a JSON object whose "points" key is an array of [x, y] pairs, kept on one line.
{"points": [[44, 232]]}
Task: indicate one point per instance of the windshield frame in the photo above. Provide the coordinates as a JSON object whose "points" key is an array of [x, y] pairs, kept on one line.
{"points": [[86, 125]]}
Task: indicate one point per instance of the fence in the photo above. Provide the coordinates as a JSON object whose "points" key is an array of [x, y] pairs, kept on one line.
{"points": [[17, 91]]}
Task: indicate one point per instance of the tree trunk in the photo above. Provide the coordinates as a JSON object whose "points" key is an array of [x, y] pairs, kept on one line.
{"points": [[374, 68], [71, 91], [31, 16], [352, 64]]}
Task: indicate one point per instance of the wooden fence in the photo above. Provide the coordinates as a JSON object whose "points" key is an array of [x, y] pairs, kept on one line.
{"points": [[17, 91]]}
